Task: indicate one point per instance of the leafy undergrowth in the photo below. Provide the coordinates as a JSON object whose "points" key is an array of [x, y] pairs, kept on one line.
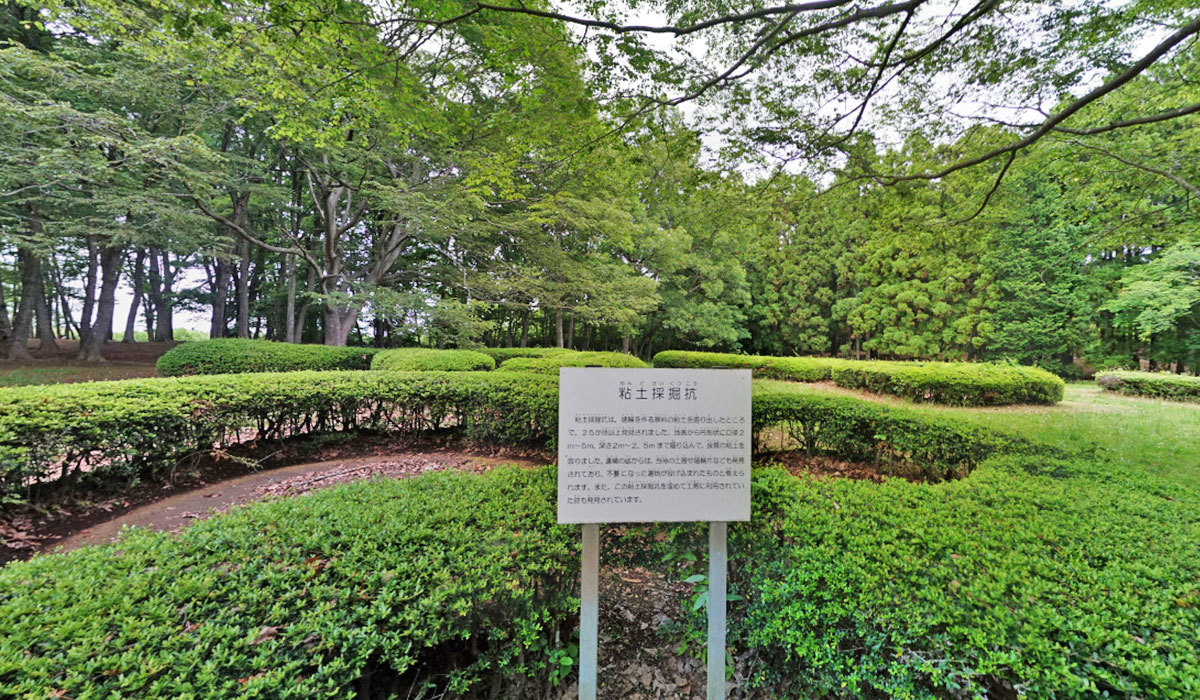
{"points": [[1034, 576], [382, 586]]}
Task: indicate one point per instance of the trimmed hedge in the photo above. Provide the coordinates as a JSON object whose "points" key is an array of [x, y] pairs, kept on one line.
{"points": [[1035, 577], [339, 592], [144, 428], [951, 383], [1042, 574], [794, 369], [896, 440], [122, 431], [431, 360], [500, 355], [238, 355], [1175, 387], [550, 364]]}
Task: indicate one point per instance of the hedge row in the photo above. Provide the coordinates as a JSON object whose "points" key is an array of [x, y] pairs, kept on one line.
{"points": [[895, 440], [793, 369], [144, 429], [502, 354], [952, 383], [1035, 577], [119, 432], [1152, 384], [371, 588], [430, 360], [237, 355], [550, 364]]}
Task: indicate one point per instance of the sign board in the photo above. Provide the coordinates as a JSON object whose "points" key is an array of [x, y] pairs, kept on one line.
{"points": [[650, 445]]}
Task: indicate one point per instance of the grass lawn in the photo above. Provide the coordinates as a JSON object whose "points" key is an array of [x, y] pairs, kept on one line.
{"points": [[1159, 437]]}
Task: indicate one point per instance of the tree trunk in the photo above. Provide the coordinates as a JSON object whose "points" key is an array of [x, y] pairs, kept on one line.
{"points": [[28, 264], [154, 296], [626, 341], [242, 287], [525, 328], [165, 317], [558, 326], [571, 332], [89, 291], [5, 325], [139, 275], [289, 311], [110, 263], [42, 312], [223, 275], [61, 292]]}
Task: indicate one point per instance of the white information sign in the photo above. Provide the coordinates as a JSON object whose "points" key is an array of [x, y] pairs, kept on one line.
{"points": [[650, 445]]}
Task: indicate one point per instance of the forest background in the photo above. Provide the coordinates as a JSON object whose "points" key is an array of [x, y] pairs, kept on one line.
{"points": [[909, 181]]}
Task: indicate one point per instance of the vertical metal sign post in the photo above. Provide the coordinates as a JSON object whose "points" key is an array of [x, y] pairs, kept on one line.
{"points": [[653, 445], [589, 611], [718, 556]]}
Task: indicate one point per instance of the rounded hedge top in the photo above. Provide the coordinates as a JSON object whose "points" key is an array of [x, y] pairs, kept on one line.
{"points": [[550, 365], [503, 354], [431, 360], [952, 383], [238, 355]]}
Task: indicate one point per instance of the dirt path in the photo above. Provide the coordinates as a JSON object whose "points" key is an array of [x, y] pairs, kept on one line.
{"points": [[178, 511]]}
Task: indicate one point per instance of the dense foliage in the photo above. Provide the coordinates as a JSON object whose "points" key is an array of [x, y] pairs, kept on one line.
{"points": [[430, 360], [1152, 384], [117, 432], [894, 440], [952, 383], [374, 587], [238, 355], [847, 588], [549, 364], [1033, 577], [491, 187]]}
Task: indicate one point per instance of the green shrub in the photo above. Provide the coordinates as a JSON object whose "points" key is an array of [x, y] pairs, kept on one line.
{"points": [[1157, 385], [500, 355], [308, 597], [144, 428], [895, 440], [430, 360], [1034, 577], [794, 369], [550, 364], [237, 355], [953, 383]]}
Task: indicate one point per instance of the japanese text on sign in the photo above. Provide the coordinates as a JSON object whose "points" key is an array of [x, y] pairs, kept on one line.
{"points": [[645, 445]]}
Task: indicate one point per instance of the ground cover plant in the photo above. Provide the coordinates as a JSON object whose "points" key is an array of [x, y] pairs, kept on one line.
{"points": [[951, 383], [1036, 575], [236, 355], [370, 588], [431, 360], [1158, 385], [549, 364]]}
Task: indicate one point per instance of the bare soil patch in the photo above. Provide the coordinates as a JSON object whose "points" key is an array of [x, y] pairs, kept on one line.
{"points": [[800, 464], [222, 480]]}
